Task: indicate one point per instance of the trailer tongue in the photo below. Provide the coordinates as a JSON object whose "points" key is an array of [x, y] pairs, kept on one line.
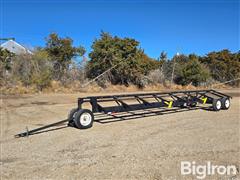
{"points": [[133, 103]]}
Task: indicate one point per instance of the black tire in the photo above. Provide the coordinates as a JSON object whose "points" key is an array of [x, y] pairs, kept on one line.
{"points": [[83, 119], [184, 105], [71, 116], [217, 104], [72, 113], [225, 103]]}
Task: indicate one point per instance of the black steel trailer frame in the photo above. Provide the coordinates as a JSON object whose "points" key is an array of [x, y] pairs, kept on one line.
{"points": [[178, 99], [83, 118], [164, 100]]}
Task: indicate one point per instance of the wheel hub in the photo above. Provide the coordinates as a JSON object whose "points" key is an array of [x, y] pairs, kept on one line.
{"points": [[85, 119], [218, 104], [227, 103]]}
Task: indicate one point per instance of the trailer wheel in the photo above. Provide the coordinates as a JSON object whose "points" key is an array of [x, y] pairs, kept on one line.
{"points": [[225, 103], [72, 114], [83, 119], [217, 104], [184, 105]]}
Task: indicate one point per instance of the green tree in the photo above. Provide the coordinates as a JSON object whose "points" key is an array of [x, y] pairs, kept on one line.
{"points": [[61, 51], [179, 61], [163, 57], [193, 72], [224, 65], [131, 62], [162, 60]]}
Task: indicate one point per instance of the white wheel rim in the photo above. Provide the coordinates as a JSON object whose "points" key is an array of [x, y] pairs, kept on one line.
{"points": [[85, 119], [218, 104], [227, 103]]}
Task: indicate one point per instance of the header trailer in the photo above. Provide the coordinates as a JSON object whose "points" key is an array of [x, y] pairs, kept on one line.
{"points": [[140, 105], [83, 118]]}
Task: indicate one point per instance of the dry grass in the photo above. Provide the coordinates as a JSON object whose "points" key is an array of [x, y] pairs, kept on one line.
{"points": [[74, 87], [18, 88]]}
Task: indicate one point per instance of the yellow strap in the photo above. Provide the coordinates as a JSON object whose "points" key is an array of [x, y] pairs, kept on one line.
{"points": [[169, 103], [204, 99]]}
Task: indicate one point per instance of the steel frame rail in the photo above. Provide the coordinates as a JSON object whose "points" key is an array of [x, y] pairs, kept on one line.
{"points": [[178, 99]]}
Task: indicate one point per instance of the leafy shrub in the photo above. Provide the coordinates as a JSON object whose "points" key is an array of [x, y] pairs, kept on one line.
{"points": [[223, 65], [192, 72], [32, 69]]}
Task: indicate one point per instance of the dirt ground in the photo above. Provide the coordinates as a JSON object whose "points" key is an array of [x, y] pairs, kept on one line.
{"points": [[140, 148]]}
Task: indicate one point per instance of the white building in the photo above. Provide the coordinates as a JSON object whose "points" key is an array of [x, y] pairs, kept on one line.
{"points": [[15, 48]]}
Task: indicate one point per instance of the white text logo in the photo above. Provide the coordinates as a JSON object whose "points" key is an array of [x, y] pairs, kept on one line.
{"points": [[201, 171]]}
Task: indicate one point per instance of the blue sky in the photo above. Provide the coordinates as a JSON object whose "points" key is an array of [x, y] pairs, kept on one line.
{"points": [[186, 26]]}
